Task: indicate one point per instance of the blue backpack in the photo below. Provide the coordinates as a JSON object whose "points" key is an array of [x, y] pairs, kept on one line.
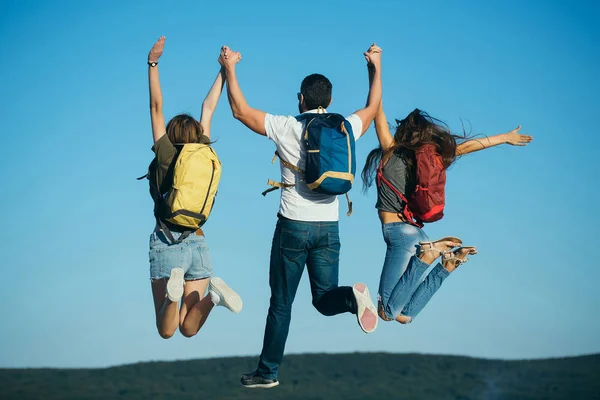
{"points": [[330, 158]]}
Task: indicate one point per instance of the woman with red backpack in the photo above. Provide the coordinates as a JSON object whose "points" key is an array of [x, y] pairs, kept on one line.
{"points": [[409, 169]]}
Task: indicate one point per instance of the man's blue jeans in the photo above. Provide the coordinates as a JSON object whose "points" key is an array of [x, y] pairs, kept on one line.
{"points": [[296, 244], [403, 288]]}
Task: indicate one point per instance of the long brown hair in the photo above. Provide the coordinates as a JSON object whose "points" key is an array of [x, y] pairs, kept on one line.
{"points": [[184, 128], [414, 131]]}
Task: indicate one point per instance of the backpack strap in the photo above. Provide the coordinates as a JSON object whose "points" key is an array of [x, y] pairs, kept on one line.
{"points": [[312, 117], [158, 200], [287, 164], [406, 213], [165, 229], [277, 185], [349, 213]]}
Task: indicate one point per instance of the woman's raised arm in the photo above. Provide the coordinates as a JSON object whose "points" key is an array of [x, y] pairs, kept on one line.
{"points": [[156, 100], [210, 102], [386, 140]]}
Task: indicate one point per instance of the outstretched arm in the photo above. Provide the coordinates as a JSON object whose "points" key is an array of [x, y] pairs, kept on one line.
{"points": [[210, 102], [513, 138], [386, 140], [367, 114], [156, 100], [251, 117]]}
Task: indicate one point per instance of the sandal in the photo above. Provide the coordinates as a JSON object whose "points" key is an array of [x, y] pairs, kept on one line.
{"points": [[432, 244], [381, 312], [451, 255]]}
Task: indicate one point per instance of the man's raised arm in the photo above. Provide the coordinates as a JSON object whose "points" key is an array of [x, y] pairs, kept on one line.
{"points": [[251, 117]]}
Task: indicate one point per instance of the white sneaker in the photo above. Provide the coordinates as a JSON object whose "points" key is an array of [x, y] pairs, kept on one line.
{"points": [[366, 312], [175, 285], [223, 295]]}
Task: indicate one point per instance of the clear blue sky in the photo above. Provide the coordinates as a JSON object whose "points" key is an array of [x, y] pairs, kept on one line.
{"points": [[76, 134]]}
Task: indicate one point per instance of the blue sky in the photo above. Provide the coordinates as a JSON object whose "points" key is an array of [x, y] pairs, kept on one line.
{"points": [[77, 133]]}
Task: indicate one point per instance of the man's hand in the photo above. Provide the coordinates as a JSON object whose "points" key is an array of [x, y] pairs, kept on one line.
{"points": [[373, 56], [514, 138], [228, 58], [157, 50]]}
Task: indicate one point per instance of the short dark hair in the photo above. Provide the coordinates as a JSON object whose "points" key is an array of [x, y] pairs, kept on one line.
{"points": [[316, 90]]}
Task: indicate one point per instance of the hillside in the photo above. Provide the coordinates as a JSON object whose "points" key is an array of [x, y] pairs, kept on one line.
{"points": [[318, 376]]}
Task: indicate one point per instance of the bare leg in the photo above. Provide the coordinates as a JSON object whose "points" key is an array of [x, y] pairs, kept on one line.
{"points": [[196, 307], [166, 310]]}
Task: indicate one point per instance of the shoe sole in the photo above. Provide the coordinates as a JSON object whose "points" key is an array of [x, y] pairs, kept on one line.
{"points": [[444, 239], [366, 313], [175, 285], [229, 297], [261, 385]]}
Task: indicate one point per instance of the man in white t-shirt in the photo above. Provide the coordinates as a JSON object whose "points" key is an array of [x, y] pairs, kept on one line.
{"points": [[307, 229]]}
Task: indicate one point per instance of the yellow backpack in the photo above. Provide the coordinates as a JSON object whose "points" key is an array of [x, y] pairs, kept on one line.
{"points": [[190, 199]]}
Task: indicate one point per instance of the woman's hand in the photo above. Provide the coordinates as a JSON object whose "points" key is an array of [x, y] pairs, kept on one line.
{"points": [[228, 57], [373, 55], [157, 50], [514, 138]]}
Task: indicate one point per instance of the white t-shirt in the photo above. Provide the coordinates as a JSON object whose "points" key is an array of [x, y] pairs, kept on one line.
{"points": [[299, 202]]}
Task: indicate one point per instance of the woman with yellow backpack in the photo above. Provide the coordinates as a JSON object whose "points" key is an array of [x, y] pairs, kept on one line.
{"points": [[183, 178]]}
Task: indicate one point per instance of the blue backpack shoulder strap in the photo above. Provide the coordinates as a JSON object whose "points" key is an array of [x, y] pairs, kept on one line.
{"points": [[336, 118], [303, 117]]}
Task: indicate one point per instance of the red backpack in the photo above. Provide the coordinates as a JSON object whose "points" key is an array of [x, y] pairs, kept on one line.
{"points": [[426, 203]]}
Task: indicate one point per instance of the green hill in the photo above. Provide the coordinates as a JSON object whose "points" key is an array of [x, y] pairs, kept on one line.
{"points": [[318, 376]]}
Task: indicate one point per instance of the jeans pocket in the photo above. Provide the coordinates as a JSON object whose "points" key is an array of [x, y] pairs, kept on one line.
{"points": [[206, 266], [402, 236], [153, 239], [163, 259], [157, 244], [292, 244], [202, 249], [332, 252]]}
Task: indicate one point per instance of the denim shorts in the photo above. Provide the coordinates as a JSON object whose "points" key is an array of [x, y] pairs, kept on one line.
{"points": [[191, 255]]}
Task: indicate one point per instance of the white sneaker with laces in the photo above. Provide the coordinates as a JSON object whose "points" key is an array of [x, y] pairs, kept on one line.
{"points": [[223, 295], [175, 285]]}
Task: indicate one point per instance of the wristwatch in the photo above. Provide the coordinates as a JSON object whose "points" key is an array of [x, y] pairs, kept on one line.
{"points": [[152, 63]]}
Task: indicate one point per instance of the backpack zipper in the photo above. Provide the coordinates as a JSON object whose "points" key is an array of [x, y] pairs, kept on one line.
{"points": [[343, 128], [209, 187]]}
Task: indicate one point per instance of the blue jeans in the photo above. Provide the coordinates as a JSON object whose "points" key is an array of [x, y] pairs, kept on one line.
{"points": [[404, 289], [296, 244]]}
